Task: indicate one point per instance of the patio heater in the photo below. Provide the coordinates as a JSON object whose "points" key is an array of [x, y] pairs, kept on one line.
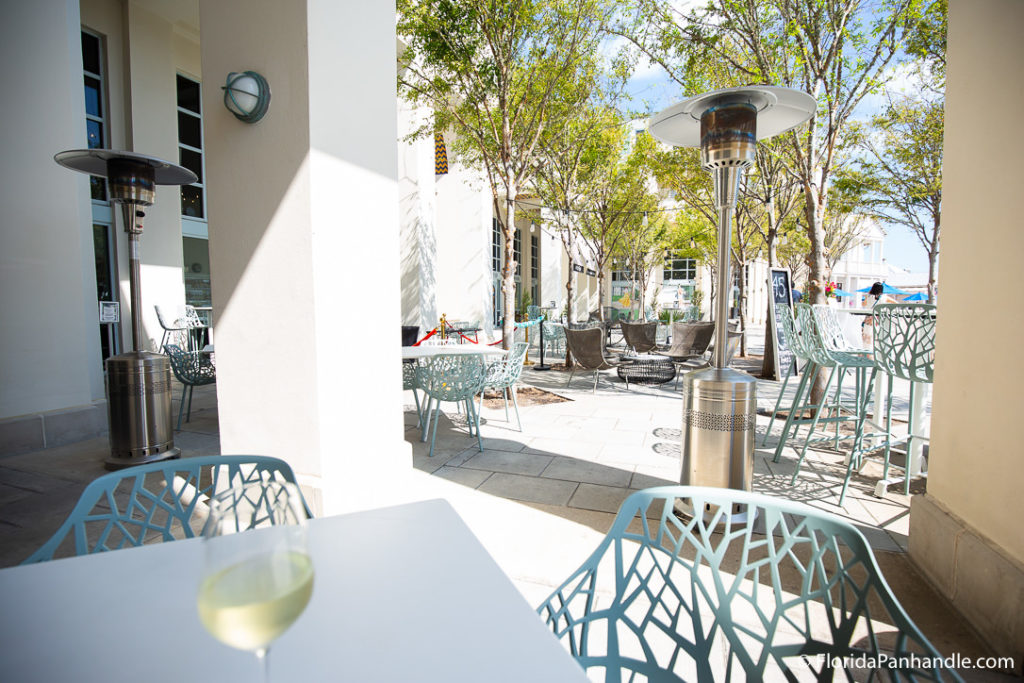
{"points": [[138, 382], [719, 403]]}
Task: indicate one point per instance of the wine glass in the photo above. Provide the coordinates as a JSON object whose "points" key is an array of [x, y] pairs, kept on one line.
{"points": [[255, 585]]}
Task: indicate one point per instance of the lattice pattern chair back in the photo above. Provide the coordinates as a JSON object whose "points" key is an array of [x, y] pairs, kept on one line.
{"points": [[409, 375], [831, 330], [192, 368], [175, 330], [532, 312], [641, 337], [789, 332], [506, 371], [904, 343], [554, 335], [814, 342], [705, 598], [162, 501], [450, 377]]}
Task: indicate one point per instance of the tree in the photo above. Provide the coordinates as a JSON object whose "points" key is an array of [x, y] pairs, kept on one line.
{"points": [[572, 158], [838, 51], [493, 70], [903, 177]]}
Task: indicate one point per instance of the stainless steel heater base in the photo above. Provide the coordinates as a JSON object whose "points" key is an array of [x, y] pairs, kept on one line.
{"points": [[139, 409], [719, 413]]}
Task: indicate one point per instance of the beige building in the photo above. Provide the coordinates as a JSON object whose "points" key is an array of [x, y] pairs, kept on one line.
{"points": [[307, 227]]}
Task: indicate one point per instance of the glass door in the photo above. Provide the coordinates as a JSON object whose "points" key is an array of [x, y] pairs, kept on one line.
{"points": [[106, 286]]}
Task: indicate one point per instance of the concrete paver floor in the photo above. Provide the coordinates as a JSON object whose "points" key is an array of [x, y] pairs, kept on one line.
{"points": [[540, 500]]}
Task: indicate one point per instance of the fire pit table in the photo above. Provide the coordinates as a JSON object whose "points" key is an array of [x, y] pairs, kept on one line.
{"points": [[646, 369]]}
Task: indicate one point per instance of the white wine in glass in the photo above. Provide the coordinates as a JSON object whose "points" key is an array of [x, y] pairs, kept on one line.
{"points": [[255, 588]]}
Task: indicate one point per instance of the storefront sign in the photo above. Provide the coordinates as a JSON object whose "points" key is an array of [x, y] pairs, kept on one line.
{"points": [[577, 268]]}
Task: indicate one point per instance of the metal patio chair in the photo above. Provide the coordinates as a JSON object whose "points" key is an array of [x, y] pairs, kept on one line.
{"points": [[175, 329], [503, 374], [409, 382], [160, 501], [640, 337], [705, 598], [452, 378], [587, 349], [837, 362], [193, 369], [903, 348], [689, 342]]}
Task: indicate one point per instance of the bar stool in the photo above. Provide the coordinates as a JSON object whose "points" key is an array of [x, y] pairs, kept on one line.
{"points": [[835, 361], [795, 343], [834, 339], [904, 348]]}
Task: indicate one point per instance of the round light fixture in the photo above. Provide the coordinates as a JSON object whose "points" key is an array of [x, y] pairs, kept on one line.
{"points": [[247, 95]]}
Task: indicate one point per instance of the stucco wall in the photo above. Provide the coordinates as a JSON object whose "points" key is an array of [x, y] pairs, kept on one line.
{"points": [[49, 333], [976, 468]]}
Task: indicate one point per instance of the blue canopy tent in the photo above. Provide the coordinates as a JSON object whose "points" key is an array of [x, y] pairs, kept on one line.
{"points": [[842, 292], [920, 296], [886, 289]]}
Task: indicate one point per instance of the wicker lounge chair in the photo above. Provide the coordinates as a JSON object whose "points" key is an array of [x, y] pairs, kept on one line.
{"points": [[587, 349], [690, 341], [641, 337]]}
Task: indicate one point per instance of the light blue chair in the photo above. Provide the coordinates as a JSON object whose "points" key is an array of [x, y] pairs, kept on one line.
{"points": [[837, 363], [409, 382], [193, 369], [903, 348], [161, 501], [452, 378], [503, 374], [671, 597]]}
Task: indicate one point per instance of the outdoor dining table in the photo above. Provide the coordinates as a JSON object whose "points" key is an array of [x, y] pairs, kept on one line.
{"points": [[404, 593], [416, 352]]}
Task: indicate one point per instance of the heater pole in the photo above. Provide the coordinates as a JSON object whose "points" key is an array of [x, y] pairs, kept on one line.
{"points": [[726, 186], [134, 272]]}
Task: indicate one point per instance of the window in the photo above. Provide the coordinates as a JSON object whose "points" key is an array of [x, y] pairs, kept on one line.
{"points": [[517, 251], [95, 106], [535, 269], [495, 246], [677, 268], [621, 272], [190, 147]]}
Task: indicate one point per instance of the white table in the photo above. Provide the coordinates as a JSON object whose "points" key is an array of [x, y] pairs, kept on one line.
{"points": [[451, 350], [400, 594]]}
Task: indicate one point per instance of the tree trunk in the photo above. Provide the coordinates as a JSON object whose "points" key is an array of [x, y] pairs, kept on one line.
{"points": [[741, 273], [508, 281], [768, 364], [600, 294], [933, 262], [816, 285]]}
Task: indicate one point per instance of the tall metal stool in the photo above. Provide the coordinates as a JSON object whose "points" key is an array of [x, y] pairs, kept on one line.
{"points": [[903, 348], [836, 362], [795, 343]]}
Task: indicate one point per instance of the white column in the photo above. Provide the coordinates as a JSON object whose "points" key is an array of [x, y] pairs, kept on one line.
{"points": [[304, 242], [49, 334]]}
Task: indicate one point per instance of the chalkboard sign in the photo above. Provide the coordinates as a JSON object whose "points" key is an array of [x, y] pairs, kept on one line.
{"points": [[780, 290]]}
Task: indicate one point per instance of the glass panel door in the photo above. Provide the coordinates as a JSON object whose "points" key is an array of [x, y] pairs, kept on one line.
{"points": [[106, 286]]}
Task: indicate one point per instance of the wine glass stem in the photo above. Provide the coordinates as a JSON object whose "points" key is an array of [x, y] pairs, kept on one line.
{"points": [[261, 655]]}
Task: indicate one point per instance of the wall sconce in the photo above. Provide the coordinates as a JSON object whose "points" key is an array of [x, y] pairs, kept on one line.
{"points": [[247, 96]]}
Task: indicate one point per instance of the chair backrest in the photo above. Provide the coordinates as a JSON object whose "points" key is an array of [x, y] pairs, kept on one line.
{"points": [[707, 597], [587, 347], [641, 337], [904, 340], [451, 377], [532, 312], [583, 326], [831, 331], [168, 321], [161, 501], [814, 343], [193, 368], [793, 340], [409, 374], [506, 371], [553, 331], [691, 339]]}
